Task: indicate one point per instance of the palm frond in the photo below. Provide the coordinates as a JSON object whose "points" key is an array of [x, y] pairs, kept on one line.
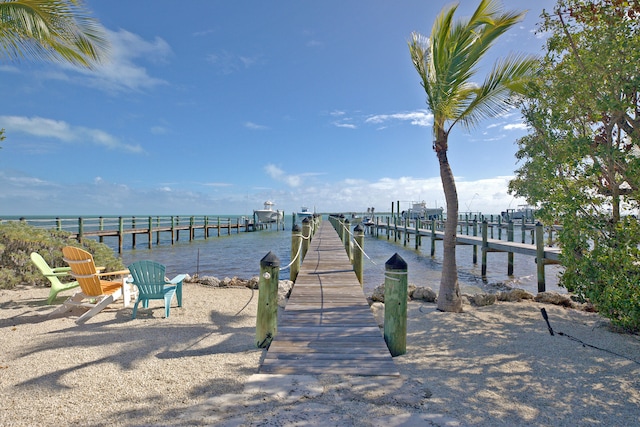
{"points": [[60, 30]]}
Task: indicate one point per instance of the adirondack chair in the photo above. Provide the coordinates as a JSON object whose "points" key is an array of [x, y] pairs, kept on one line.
{"points": [[53, 275], [95, 293], [149, 278]]}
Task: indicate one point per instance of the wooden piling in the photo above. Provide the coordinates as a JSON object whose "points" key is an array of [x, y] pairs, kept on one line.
{"points": [[358, 253], [267, 316], [395, 305], [296, 252]]}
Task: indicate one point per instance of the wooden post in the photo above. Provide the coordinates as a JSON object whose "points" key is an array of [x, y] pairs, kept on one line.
{"points": [[101, 228], [395, 305], [120, 234], [296, 252], [206, 227], [81, 229], [358, 253], [158, 232], [500, 227], [417, 243], [133, 234], [191, 229], [540, 256], [510, 254], [523, 231], [58, 224], [388, 229], [267, 317], [150, 231], [475, 247], [173, 227], [433, 237], [306, 237], [484, 248], [218, 226], [347, 238]]}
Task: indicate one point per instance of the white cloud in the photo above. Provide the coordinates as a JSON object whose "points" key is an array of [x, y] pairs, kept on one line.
{"points": [[63, 131], [416, 118], [255, 126], [516, 126]]}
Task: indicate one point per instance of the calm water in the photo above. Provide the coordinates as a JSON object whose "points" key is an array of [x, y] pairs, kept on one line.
{"points": [[240, 254]]}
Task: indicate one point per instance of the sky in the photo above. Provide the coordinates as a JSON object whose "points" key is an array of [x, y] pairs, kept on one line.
{"points": [[213, 107]]}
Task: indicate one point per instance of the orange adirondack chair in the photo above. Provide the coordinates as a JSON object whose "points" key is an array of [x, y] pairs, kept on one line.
{"points": [[95, 293]]}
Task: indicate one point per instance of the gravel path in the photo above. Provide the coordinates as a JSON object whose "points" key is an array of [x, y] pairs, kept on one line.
{"points": [[490, 366]]}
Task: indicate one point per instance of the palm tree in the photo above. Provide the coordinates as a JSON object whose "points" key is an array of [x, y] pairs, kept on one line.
{"points": [[447, 62], [51, 30]]}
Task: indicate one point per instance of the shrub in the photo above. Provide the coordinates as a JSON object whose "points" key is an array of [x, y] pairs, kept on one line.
{"points": [[18, 240], [605, 268]]}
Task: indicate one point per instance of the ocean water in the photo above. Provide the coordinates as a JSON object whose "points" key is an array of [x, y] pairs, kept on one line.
{"points": [[239, 255]]}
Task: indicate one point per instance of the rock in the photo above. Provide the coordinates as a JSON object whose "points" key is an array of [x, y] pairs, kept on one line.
{"points": [[424, 293], [378, 294], [482, 300], [514, 295], [253, 282], [378, 312], [209, 281], [554, 298], [284, 291]]}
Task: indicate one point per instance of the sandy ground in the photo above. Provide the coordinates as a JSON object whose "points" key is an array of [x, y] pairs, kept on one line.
{"points": [[490, 366]]}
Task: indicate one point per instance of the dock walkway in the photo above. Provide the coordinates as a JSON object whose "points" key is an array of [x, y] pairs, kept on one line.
{"points": [[327, 326]]}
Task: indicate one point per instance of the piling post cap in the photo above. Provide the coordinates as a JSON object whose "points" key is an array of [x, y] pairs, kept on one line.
{"points": [[270, 260], [307, 220], [346, 221], [538, 224], [395, 263], [295, 228], [358, 228], [484, 221]]}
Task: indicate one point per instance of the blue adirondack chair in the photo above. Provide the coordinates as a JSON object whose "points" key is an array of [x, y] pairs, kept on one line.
{"points": [[149, 278]]}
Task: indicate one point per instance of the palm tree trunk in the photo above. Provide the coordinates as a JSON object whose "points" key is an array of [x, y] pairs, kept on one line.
{"points": [[449, 296]]}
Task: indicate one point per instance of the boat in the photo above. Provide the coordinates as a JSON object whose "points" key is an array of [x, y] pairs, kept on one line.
{"points": [[304, 213], [420, 211], [268, 214], [524, 212]]}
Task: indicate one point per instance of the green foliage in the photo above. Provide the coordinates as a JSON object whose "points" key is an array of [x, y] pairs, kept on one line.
{"points": [[18, 240], [580, 163], [604, 267]]}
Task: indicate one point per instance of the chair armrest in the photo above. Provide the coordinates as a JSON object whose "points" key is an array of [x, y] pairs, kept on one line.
{"points": [[100, 268], [58, 274], [179, 278], [61, 269], [113, 273]]}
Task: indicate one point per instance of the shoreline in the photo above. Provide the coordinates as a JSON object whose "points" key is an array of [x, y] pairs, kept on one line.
{"points": [[491, 365]]}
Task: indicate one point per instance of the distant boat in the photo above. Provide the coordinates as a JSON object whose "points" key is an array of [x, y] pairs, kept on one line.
{"points": [[304, 213], [268, 214], [525, 212], [421, 211]]}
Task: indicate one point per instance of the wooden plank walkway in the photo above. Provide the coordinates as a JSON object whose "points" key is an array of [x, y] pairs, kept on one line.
{"points": [[327, 326]]}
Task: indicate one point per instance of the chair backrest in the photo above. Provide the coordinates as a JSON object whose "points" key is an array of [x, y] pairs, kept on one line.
{"points": [[44, 268], [83, 269], [149, 277]]}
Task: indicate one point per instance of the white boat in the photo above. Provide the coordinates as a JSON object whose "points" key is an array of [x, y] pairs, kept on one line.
{"points": [[422, 212], [268, 214], [304, 213]]}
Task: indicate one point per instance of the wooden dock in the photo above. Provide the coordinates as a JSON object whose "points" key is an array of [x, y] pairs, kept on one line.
{"points": [[327, 326]]}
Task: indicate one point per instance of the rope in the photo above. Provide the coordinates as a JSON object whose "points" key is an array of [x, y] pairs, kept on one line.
{"points": [[299, 251]]}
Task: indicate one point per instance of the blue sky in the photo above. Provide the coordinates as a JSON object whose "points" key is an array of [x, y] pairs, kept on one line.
{"points": [[213, 107]]}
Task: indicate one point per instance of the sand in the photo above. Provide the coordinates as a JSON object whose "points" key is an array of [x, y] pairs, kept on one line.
{"points": [[489, 366]]}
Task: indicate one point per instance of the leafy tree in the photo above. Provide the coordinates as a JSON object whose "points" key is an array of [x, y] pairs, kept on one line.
{"points": [[447, 63], [51, 30], [581, 159]]}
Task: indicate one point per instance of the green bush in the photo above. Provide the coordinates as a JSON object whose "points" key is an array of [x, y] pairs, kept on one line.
{"points": [[18, 240], [604, 267]]}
